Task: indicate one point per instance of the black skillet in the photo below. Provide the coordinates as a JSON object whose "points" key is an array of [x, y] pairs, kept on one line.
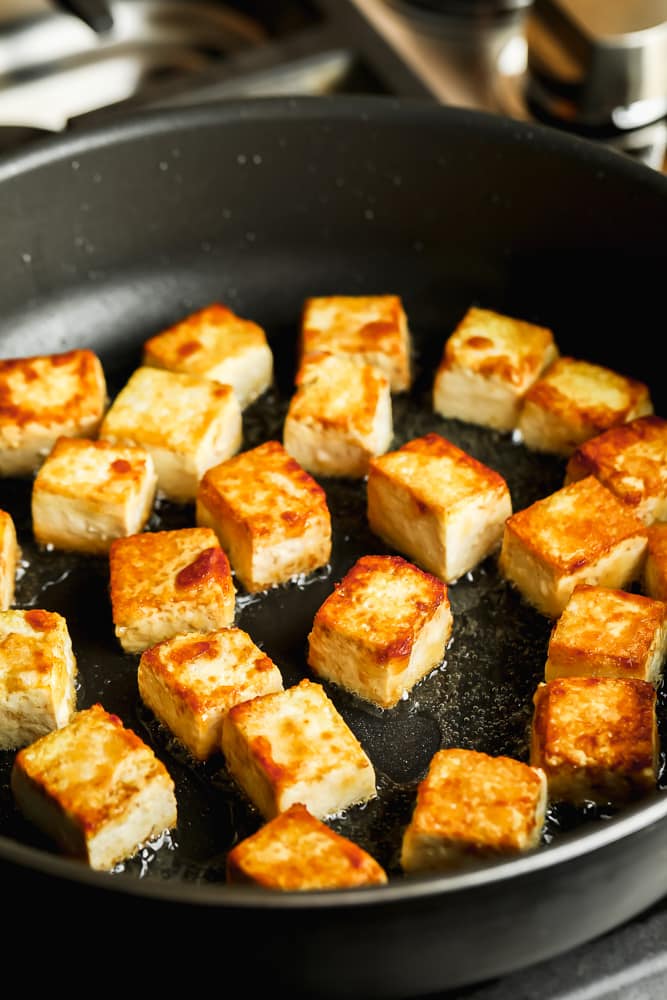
{"points": [[109, 235]]}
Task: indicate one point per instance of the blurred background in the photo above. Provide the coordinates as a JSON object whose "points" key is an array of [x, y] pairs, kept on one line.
{"points": [[594, 67]]}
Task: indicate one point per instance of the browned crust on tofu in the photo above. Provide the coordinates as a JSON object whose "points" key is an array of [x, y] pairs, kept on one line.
{"points": [[478, 803], [605, 632], [137, 570], [338, 393], [180, 347], [596, 737], [295, 851], [391, 630], [10, 553], [654, 573], [587, 412], [630, 460], [126, 470], [384, 340], [88, 784], [20, 377], [575, 526], [499, 347], [244, 490]]}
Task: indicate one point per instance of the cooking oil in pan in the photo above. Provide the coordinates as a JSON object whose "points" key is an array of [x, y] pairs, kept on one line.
{"points": [[480, 697]]}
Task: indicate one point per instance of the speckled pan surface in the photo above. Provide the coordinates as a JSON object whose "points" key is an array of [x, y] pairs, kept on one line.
{"points": [[108, 236]]}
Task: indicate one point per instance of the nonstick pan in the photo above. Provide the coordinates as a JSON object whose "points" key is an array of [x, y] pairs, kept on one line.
{"points": [[110, 234]]}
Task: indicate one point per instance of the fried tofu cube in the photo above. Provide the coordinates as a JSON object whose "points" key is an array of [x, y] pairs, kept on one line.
{"points": [[95, 789], [373, 328], [86, 493], [385, 626], [10, 554], [215, 343], [488, 364], [191, 681], [167, 583], [581, 533], [339, 417], [186, 422], [575, 400], [295, 746], [596, 739], [438, 505], [603, 632], [473, 807], [38, 674], [43, 397], [270, 515], [631, 461], [296, 852], [654, 571]]}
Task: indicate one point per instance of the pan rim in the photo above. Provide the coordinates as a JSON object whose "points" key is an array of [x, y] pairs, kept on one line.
{"points": [[376, 109]]}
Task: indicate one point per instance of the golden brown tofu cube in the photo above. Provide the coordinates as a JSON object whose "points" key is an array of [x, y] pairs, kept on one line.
{"points": [[95, 788], [438, 505], [488, 364], [295, 746], [631, 461], [38, 675], [87, 493], [215, 343], [573, 401], [339, 417], [385, 626], [596, 738], [295, 852], [582, 533], [43, 397], [270, 515], [167, 583], [191, 681], [603, 632], [10, 554], [186, 422], [473, 807], [654, 571], [373, 328]]}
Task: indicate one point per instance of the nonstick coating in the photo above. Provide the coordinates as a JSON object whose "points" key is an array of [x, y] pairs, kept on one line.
{"points": [[111, 235]]}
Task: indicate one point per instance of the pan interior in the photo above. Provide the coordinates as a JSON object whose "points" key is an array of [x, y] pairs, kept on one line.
{"points": [[481, 696]]}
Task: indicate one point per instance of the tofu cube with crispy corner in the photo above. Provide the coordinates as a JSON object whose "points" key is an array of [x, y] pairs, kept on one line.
{"points": [[654, 571], [296, 852], [295, 746], [631, 461], [581, 533], [10, 554], [385, 626], [373, 328], [86, 493], [95, 789], [603, 632], [43, 397], [270, 515], [575, 400], [191, 681], [38, 675], [167, 583], [596, 738], [339, 417], [215, 343], [438, 505], [472, 807], [186, 422], [488, 364]]}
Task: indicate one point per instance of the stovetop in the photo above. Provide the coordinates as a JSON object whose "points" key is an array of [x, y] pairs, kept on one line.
{"points": [[65, 65]]}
